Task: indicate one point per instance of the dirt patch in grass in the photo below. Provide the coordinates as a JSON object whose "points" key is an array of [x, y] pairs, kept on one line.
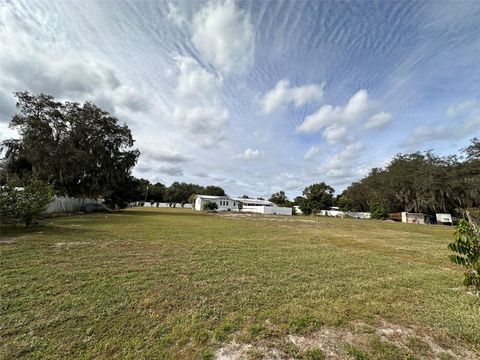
{"points": [[235, 351], [69, 245], [358, 341], [7, 241]]}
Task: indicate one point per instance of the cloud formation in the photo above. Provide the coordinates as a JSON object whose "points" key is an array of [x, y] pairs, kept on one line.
{"points": [[357, 107], [312, 152], [199, 111], [462, 121], [334, 134], [198, 78], [378, 121], [283, 95], [248, 154], [46, 66], [224, 36], [344, 164], [166, 155]]}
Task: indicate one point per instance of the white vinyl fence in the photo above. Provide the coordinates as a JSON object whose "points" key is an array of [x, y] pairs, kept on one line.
{"points": [[164, 205], [268, 210], [339, 213], [62, 204]]}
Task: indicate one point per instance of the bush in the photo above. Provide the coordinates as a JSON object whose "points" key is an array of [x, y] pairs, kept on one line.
{"points": [[379, 212], [211, 206], [28, 204], [467, 253]]}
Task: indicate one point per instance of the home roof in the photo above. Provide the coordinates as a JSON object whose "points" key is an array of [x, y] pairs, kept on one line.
{"points": [[211, 197], [253, 201], [243, 200]]}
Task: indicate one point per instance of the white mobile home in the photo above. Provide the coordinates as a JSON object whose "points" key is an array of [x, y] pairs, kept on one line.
{"points": [[227, 203], [224, 203]]}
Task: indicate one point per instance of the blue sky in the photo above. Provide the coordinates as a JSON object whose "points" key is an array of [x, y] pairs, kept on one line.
{"points": [[256, 97]]}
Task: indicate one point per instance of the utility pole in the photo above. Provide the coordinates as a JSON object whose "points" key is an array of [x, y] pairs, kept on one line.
{"points": [[146, 193]]}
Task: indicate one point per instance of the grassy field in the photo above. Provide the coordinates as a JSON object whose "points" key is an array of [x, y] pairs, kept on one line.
{"points": [[177, 284]]}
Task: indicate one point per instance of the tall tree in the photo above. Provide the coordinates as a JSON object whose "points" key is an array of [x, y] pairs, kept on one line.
{"points": [[317, 197], [181, 192], [280, 198], [156, 192], [79, 149], [214, 191], [124, 192]]}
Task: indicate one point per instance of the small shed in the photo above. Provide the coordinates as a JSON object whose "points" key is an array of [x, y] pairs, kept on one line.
{"points": [[413, 218], [444, 219]]}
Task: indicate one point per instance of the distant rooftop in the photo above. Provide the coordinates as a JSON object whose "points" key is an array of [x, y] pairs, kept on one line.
{"points": [[211, 196], [239, 199], [253, 201]]}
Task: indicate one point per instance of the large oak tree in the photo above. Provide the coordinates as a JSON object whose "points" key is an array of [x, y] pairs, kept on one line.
{"points": [[80, 149]]}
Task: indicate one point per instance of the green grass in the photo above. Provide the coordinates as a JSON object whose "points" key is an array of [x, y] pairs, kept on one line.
{"points": [[177, 284]]}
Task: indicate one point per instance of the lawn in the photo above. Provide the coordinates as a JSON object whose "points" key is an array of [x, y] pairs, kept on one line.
{"points": [[178, 284]]}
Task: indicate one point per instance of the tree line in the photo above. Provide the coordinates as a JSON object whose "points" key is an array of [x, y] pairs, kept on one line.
{"points": [[142, 190], [416, 182], [81, 150], [420, 182]]}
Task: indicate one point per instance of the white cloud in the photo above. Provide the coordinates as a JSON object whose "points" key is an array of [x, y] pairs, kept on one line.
{"points": [[351, 151], [378, 121], [311, 152], [433, 132], [334, 134], [462, 120], [461, 108], [248, 154], [198, 110], [205, 123], [175, 14], [196, 83], [282, 95], [356, 109], [166, 155], [224, 36], [43, 64], [344, 164]]}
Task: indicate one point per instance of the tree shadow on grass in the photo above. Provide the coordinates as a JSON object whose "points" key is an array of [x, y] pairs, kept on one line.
{"points": [[9, 231]]}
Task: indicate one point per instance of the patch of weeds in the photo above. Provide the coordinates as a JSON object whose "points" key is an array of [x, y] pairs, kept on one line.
{"points": [[314, 354], [385, 350], [207, 354], [206, 313], [290, 349], [259, 332], [418, 346], [222, 332], [255, 354], [304, 324], [357, 354], [446, 356], [201, 336]]}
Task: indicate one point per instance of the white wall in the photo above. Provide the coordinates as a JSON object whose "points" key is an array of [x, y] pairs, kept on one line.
{"points": [[166, 205], [268, 210], [353, 214]]}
